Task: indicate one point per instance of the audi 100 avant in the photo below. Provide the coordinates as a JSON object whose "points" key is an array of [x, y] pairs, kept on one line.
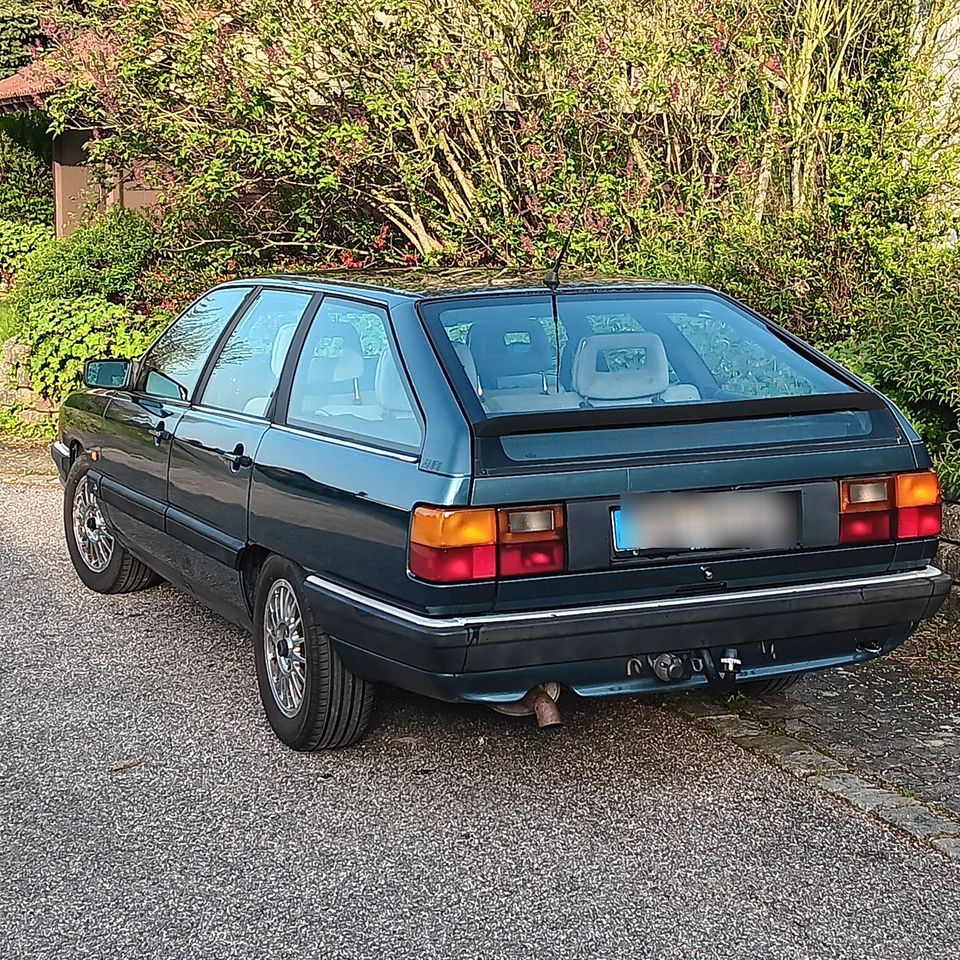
{"points": [[488, 488]]}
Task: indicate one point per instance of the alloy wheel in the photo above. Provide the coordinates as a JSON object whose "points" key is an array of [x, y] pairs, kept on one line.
{"points": [[283, 647], [95, 543]]}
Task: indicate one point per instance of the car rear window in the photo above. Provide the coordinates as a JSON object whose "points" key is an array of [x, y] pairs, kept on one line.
{"points": [[617, 349], [650, 367]]}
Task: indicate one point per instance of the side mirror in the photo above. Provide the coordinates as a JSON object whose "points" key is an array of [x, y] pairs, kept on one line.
{"points": [[107, 374]]}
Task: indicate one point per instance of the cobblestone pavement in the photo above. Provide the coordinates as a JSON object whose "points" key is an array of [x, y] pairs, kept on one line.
{"points": [[884, 736]]}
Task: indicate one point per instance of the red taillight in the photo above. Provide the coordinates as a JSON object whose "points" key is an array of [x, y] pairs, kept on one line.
{"points": [[902, 507], [923, 521], [865, 527], [453, 564], [462, 545]]}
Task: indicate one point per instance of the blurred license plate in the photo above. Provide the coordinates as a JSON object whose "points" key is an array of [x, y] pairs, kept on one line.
{"points": [[705, 521]]}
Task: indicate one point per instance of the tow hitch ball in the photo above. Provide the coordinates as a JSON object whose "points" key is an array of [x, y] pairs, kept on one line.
{"points": [[673, 667], [724, 679]]}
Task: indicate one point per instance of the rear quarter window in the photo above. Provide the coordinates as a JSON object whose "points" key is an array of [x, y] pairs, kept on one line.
{"points": [[349, 381]]}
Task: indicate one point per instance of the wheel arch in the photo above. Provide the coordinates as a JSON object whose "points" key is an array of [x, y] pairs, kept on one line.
{"points": [[252, 560]]}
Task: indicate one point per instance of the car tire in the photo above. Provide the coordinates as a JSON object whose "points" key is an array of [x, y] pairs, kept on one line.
{"points": [[101, 561], [310, 698], [763, 688]]}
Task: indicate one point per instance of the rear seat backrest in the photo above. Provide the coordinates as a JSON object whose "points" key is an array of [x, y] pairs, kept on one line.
{"points": [[469, 365], [388, 385], [332, 378]]}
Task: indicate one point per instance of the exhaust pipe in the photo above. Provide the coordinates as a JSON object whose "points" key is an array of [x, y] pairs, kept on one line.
{"points": [[543, 706]]}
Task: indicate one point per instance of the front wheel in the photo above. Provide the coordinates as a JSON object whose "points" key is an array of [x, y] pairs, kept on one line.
{"points": [[311, 700], [101, 562]]}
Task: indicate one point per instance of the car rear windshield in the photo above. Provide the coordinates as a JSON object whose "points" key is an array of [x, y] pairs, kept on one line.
{"points": [[618, 349], [652, 351]]}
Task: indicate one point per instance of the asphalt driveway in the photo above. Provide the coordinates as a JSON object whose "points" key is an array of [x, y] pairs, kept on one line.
{"points": [[146, 810]]}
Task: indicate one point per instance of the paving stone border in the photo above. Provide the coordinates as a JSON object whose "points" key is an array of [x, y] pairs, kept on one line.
{"points": [[26, 463], [921, 821]]}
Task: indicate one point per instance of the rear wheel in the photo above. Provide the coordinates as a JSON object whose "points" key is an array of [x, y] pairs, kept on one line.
{"points": [[761, 688], [101, 561], [311, 700]]}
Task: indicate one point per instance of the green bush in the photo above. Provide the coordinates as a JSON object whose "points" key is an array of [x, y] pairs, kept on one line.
{"points": [[907, 344], [19, 30], [102, 259], [26, 183], [62, 334], [17, 242], [8, 321]]}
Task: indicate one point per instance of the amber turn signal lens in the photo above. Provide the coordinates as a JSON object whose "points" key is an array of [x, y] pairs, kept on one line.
{"points": [[917, 489], [434, 527], [861, 496]]}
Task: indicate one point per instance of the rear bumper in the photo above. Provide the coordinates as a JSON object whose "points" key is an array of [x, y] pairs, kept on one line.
{"points": [[498, 657]]}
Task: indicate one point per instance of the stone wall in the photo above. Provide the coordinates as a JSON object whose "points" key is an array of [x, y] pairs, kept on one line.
{"points": [[948, 559], [15, 389]]}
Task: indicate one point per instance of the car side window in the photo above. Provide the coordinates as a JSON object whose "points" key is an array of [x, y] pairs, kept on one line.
{"points": [[247, 371], [349, 381], [174, 363]]}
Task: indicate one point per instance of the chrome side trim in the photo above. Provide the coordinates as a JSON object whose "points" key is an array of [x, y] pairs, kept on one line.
{"points": [[234, 414], [636, 606], [61, 448], [326, 438]]}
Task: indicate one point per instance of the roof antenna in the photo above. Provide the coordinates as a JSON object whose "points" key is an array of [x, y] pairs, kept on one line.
{"points": [[552, 279]]}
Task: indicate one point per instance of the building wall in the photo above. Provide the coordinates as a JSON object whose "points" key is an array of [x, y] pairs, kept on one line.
{"points": [[74, 189]]}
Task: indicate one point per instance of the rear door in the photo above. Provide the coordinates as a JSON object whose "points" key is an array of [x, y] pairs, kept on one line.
{"points": [[139, 423], [336, 476], [215, 442]]}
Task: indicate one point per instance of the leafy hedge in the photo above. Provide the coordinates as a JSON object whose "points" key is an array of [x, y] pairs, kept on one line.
{"points": [[26, 181], [63, 333], [104, 258], [17, 242], [80, 297]]}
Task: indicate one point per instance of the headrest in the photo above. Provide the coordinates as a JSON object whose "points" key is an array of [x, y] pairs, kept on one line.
{"points": [[280, 347], [391, 394], [620, 366], [469, 365], [337, 354], [503, 347]]}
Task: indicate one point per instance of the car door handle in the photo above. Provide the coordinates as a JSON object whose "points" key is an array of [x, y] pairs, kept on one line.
{"points": [[161, 435], [238, 459]]}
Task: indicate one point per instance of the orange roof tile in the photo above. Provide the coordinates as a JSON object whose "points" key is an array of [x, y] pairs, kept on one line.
{"points": [[22, 88]]}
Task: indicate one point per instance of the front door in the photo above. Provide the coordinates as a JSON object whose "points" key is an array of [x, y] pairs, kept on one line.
{"points": [[215, 444], [140, 423]]}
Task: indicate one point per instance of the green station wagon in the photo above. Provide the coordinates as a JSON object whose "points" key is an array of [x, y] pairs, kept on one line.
{"points": [[484, 488]]}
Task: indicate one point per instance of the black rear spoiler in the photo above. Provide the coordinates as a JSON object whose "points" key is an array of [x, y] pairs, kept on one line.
{"points": [[658, 414]]}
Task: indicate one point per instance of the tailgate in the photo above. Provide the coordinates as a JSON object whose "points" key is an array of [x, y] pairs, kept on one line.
{"points": [[806, 477]]}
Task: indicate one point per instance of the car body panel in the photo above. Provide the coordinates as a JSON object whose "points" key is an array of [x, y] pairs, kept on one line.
{"points": [[343, 511]]}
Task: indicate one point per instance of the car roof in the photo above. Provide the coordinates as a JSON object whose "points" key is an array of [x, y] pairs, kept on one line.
{"points": [[419, 283]]}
